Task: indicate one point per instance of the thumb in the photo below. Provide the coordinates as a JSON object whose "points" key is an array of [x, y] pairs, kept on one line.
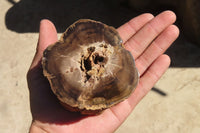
{"points": [[47, 36]]}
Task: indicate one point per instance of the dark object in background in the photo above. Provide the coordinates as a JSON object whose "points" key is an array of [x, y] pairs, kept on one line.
{"points": [[191, 19]]}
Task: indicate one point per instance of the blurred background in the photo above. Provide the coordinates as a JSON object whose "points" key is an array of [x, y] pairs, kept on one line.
{"points": [[173, 105]]}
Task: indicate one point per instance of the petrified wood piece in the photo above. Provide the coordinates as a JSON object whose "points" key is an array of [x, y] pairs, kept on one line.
{"points": [[88, 68]]}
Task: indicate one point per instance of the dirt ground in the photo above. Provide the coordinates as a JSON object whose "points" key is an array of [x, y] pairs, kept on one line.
{"points": [[173, 105]]}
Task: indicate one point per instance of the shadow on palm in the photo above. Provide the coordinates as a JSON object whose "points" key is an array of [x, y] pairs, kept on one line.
{"points": [[45, 106]]}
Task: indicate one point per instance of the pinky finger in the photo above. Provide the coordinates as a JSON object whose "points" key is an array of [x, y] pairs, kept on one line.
{"points": [[149, 78]]}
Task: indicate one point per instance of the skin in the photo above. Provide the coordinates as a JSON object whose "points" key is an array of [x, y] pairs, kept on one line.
{"points": [[146, 37]]}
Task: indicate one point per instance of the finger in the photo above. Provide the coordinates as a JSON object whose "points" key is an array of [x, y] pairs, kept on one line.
{"points": [[158, 47], [47, 36], [130, 28], [147, 81], [140, 41], [149, 78]]}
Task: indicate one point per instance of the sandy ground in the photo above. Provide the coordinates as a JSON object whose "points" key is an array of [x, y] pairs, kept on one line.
{"points": [[173, 106]]}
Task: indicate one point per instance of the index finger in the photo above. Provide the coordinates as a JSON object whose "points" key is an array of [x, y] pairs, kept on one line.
{"points": [[127, 30]]}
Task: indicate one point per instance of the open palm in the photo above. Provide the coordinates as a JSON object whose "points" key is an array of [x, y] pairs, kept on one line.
{"points": [[146, 37]]}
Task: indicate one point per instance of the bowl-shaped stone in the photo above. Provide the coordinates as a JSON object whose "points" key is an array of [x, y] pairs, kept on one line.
{"points": [[88, 69]]}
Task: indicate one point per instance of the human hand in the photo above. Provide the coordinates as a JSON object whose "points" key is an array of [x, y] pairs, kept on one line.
{"points": [[145, 36]]}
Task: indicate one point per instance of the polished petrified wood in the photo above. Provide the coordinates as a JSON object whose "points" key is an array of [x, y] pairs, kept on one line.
{"points": [[88, 68]]}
